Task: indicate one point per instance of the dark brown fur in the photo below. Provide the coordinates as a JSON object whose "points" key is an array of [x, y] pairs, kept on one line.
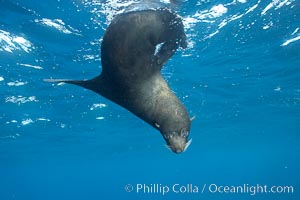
{"points": [[131, 74]]}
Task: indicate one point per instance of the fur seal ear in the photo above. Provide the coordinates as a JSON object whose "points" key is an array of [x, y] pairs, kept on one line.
{"points": [[193, 118], [157, 125]]}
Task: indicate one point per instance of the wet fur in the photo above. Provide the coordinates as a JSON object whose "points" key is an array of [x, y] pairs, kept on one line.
{"points": [[131, 74]]}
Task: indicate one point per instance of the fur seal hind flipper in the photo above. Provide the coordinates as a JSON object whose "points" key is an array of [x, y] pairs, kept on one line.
{"points": [[134, 40], [75, 82], [166, 50], [82, 83]]}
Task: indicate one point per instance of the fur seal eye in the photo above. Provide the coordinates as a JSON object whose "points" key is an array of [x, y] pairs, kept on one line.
{"points": [[171, 135], [168, 136], [184, 133]]}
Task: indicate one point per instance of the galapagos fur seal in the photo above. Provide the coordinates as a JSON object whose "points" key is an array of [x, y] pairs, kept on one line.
{"points": [[135, 46]]}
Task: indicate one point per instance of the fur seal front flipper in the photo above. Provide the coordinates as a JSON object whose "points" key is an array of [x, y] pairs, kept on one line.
{"points": [[134, 48]]}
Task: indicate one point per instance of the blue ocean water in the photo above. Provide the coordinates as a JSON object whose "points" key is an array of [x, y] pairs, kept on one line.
{"points": [[239, 76]]}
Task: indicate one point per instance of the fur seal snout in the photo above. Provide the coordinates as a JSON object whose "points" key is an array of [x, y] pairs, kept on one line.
{"points": [[135, 46]]}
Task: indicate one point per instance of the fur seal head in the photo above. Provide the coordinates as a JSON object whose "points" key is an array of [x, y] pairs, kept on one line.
{"points": [[177, 142], [135, 47]]}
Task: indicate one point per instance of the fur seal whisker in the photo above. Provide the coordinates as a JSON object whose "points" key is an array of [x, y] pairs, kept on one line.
{"points": [[187, 144], [168, 147]]}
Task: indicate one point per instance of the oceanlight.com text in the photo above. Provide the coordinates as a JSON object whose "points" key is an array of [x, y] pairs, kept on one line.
{"points": [[249, 189], [164, 189]]}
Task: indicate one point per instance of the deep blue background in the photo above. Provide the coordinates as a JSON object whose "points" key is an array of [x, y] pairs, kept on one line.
{"points": [[238, 77]]}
